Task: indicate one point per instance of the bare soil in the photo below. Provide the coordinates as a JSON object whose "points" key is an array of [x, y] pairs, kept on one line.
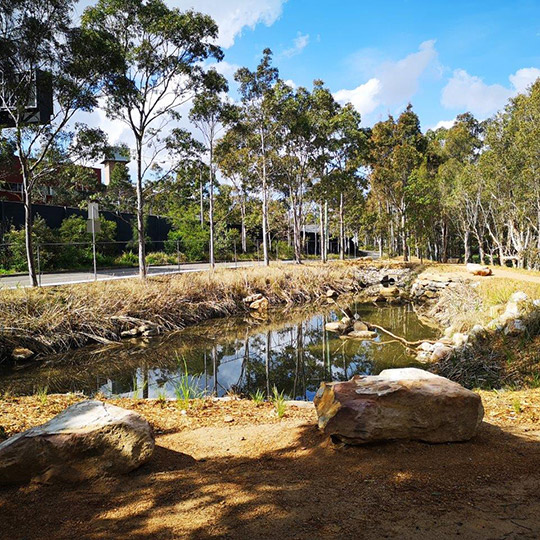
{"points": [[260, 477]]}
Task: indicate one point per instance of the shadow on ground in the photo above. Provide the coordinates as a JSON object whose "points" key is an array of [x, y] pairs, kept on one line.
{"points": [[287, 481]]}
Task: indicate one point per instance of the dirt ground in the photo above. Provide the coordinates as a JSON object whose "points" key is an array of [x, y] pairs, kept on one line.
{"points": [[261, 477]]}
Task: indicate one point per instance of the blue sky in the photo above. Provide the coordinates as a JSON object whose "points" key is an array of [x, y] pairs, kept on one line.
{"points": [[445, 57]]}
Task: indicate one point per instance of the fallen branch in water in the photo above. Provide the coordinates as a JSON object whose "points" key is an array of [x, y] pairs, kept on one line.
{"points": [[399, 338]]}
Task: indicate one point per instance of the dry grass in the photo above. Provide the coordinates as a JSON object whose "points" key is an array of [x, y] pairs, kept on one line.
{"points": [[55, 319]]}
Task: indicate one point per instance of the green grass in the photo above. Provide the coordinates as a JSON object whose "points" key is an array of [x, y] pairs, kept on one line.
{"points": [[186, 388], [162, 397], [516, 405], [257, 397], [278, 399], [42, 394], [138, 389]]}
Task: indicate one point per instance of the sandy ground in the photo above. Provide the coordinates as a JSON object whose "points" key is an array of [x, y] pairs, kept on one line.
{"points": [[263, 477]]}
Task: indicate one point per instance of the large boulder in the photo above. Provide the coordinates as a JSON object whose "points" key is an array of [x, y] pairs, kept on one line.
{"points": [[406, 403], [88, 439]]}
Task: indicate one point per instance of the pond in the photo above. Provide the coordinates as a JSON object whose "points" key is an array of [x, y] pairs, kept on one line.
{"points": [[290, 350]]}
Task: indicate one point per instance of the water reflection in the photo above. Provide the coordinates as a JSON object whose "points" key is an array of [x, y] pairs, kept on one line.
{"points": [[291, 351]]}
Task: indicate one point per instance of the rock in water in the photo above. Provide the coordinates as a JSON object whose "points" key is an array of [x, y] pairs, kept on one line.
{"points": [[88, 439], [404, 403]]}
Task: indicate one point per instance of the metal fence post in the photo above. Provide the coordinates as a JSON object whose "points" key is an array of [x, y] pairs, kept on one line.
{"points": [[39, 265], [178, 253]]}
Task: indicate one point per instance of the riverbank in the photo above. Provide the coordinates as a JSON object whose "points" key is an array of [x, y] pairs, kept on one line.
{"points": [[232, 469], [46, 321]]}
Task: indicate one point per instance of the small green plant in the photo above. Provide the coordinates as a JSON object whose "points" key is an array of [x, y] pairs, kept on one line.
{"points": [[138, 389], [535, 380], [42, 393], [278, 399], [187, 388], [162, 397], [257, 397], [516, 405]]}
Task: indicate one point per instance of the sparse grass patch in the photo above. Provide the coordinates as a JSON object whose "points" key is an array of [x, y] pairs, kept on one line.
{"points": [[187, 388], [278, 399], [257, 397], [42, 394]]}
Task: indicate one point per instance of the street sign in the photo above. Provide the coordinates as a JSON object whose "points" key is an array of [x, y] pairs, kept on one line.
{"points": [[93, 226], [93, 210]]}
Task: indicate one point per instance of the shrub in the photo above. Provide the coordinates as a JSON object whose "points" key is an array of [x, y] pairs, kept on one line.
{"points": [[160, 258], [128, 258]]}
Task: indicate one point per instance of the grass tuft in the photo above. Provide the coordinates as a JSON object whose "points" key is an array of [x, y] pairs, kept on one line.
{"points": [[278, 399], [258, 397]]}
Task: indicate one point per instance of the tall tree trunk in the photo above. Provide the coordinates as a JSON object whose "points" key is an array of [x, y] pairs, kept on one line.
{"points": [[266, 255], [27, 196], [140, 213], [201, 204], [326, 235], [444, 242], [404, 246], [321, 231], [243, 223], [297, 239], [466, 247], [341, 229], [27, 201], [211, 208]]}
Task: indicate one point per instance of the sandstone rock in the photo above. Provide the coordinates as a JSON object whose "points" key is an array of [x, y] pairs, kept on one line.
{"points": [[426, 346], [459, 339], [88, 439], [360, 326], [21, 353], [148, 330], [404, 403], [330, 293], [478, 270], [515, 327], [388, 292], [252, 298], [259, 305], [334, 326], [440, 352], [362, 334]]}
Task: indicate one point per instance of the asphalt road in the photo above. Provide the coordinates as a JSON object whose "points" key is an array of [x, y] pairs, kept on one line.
{"points": [[65, 278]]}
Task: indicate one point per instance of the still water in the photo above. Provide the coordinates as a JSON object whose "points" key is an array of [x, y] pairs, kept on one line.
{"points": [[290, 350]]}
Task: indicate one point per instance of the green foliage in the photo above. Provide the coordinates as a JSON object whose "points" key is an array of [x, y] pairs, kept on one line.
{"points": [[278, 399], [258, 397], [191, 238], [128, 258], [186, 388]]}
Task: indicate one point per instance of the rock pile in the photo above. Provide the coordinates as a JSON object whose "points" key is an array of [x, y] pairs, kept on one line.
{"points": [[398, 404]]}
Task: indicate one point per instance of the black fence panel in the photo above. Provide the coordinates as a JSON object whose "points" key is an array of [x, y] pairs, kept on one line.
{"points": [[12, 213]]}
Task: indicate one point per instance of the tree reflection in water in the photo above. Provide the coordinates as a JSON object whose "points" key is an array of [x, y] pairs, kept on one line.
{"points": [[290, 350]]}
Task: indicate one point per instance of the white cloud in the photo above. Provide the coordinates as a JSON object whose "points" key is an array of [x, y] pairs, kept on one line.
{"points": [[523, 78], [393, 83], [471, 93], [232, 16], [364, 97], [447, 124], [299, 44]]}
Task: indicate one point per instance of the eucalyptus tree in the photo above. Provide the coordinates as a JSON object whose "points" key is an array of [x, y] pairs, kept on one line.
{"points": [[233, 156], [257, 124], [397, 150], [163, 49], [325, 109], [210, 113], [49, 70], [294, 159]]}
